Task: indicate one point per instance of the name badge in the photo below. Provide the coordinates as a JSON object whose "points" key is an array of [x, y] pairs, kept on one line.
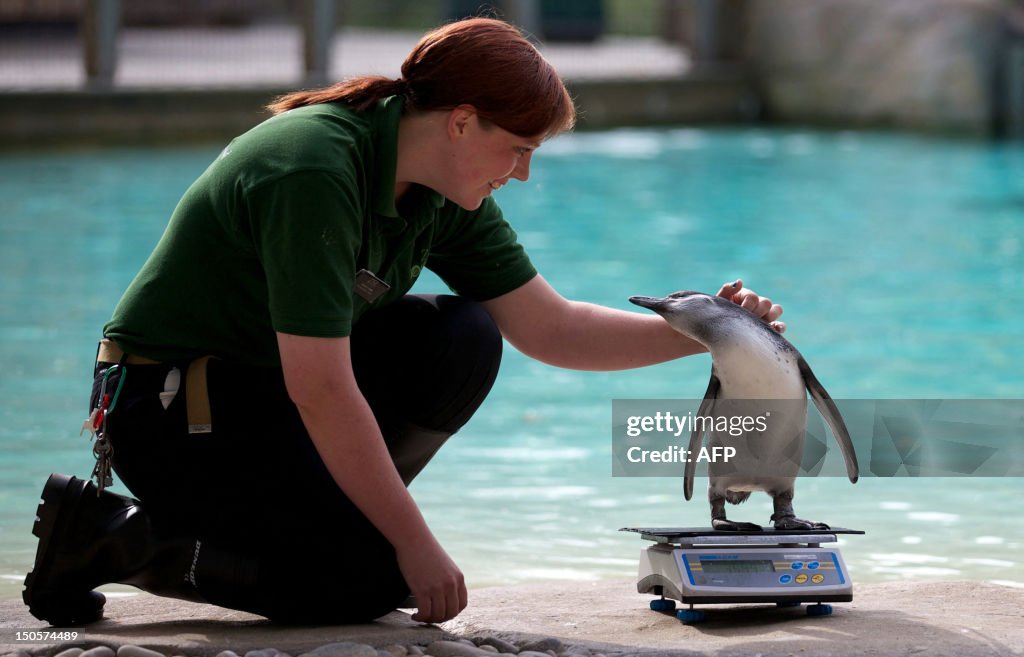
{"points": [[368, 286]]}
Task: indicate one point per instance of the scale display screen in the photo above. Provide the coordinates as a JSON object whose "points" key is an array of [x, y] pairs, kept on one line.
{"points": [[712, 566]]}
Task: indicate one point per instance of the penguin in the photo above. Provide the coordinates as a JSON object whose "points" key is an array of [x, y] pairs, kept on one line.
{"points": [[751, 361]]}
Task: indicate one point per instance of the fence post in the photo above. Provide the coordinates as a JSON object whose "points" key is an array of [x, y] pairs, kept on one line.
{"points": [[1010, 102], [674, 23], [712, 31], [101, 23], [1013, 100], [317, 35], [526, 15], [706, 42]]}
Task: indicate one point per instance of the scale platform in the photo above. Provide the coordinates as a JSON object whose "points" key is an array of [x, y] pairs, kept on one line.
{"points": [[701, 565]]}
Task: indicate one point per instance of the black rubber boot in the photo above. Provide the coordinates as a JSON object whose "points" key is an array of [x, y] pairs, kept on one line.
{"points": [[86, 540]]}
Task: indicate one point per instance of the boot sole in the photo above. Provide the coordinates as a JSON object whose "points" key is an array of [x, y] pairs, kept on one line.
{"points": [[60, 498]]}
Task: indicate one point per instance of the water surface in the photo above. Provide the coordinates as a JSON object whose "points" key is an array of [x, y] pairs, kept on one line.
{"points": [[898, 259]]}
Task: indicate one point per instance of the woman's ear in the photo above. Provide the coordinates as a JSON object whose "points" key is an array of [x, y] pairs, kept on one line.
{"points": [[459, 119]]}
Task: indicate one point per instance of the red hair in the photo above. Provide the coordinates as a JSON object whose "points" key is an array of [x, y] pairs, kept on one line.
{"points": [[481, 62]]}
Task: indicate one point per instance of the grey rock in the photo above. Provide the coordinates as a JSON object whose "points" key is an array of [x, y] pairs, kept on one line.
{"points": [[227, 653], [833, 60], [484, 646], [265, 652], [667, 653], [543, 645], [396, 650], [132, 651], [70, 652], [343, 649], [104, 651], [415, 650], [534, 653], [455, 649], [500, 644]]}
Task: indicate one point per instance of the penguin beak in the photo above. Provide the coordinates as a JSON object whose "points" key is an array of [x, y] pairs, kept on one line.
{"points": [[653, 303]]}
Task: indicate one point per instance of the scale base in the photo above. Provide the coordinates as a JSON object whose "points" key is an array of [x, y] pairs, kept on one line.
{"points": [[651, 587], [697, 565], [691, 616]]}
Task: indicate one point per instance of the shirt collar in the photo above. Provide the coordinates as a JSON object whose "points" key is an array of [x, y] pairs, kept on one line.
{"points": [[387, 114]]}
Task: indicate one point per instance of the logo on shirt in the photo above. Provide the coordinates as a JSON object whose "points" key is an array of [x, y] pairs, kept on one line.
{"points": [[416, 270]]}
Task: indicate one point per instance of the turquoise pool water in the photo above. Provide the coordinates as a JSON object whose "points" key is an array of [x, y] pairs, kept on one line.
{"points": [[899, 260]]}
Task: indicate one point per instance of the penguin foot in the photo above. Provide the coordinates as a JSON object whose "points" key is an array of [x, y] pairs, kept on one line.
{"points": [[792, 522], [725, 525]]}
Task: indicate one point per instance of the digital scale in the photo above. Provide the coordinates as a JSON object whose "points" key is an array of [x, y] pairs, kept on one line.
{"points": [[708, 566]]}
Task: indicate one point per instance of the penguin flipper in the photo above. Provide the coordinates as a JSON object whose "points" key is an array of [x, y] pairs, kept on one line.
{"points": [[697, 437], [830, 412]]}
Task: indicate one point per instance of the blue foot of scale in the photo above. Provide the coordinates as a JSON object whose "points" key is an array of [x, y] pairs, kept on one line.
{"points": [[819, 610], [663, 605], [689, 616]]}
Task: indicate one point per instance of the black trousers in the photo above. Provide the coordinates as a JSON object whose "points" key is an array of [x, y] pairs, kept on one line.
{"points": [[256, 485]]}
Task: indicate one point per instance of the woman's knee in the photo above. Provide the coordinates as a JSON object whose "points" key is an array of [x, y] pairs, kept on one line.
{"points": [[428, 360], [472, 332]]}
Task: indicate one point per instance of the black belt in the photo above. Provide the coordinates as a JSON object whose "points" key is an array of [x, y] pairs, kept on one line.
{"points": [[197, 395]]}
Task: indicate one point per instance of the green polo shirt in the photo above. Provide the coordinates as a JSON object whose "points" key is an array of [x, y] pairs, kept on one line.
{"points": [[271, 237]]}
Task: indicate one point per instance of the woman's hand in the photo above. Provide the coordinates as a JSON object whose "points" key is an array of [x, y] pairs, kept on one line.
{"points": [[434, 580], [760, 306]]}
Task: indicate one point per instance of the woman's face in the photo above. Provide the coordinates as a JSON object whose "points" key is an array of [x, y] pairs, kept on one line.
{"points": [[485, 158]]}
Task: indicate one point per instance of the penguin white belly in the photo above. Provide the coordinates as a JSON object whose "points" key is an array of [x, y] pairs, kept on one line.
{"points": [[768, 461], [758, 369]]}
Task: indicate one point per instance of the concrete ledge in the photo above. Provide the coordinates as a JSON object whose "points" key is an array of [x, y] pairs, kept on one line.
{"points": [[174, 627], [32, 118], [962, 619], [722, 95], [958, 619]]}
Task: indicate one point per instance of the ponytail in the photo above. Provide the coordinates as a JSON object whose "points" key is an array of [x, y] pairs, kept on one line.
{"points": [[360, 93], [481, 62]]}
